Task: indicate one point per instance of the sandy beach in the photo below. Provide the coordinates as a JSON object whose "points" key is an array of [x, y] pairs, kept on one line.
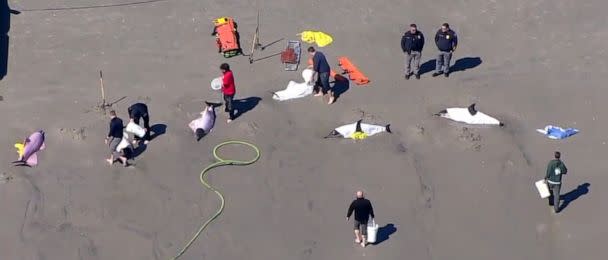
{"points": [[440, 189]]}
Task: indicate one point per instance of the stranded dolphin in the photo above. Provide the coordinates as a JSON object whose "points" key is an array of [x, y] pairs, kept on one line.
{"points": [[358, 130], [204, 124], [27, 150], [468, 115]]}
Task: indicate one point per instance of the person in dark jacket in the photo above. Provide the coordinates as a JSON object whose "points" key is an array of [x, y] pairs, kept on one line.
{"points": [[446, 41], [363, 209], [555, 169], [114, 137], [321, 70], [412, 43], [140, 111]]}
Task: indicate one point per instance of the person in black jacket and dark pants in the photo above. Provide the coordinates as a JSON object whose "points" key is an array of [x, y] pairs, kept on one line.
{"points": [[363, 209], [412, 43], [446, 41], [140, 111]]}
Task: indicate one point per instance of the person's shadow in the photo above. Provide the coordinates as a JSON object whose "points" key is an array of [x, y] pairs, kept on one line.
{"points": [[341, 85], [573, 195], [384, 233], [460, 65], [242, 106], [157, 130], [5, 27]]}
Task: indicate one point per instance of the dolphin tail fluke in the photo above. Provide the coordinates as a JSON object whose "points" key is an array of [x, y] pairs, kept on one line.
{"points": [[440, 113], [208, 103], [388, 128]]}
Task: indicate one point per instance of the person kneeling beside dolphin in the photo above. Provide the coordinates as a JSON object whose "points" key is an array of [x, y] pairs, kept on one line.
{"points": [[204, 124], [358, 130]]}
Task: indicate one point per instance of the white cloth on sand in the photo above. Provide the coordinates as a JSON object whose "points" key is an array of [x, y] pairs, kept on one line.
{"points": [[124, 143], [463, 115], [296, 90], [347, 131]]}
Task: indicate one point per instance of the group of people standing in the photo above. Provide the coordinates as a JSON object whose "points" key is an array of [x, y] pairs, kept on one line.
{"points": [[412, 43]]}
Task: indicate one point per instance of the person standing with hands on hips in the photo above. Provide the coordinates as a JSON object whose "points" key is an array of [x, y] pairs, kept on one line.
{"points": [[412, 43], [446, 41], [228, 90], [555, 169], [363, 209]]}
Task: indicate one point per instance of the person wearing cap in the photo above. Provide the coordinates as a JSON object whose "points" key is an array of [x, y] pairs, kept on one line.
{"points": [[412, 43], [363, 210], [555, 169], [446, 41]]}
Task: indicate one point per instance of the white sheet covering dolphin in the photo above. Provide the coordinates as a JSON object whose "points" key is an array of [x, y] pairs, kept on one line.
{"points": [[296, 90], [348, 131], [468, 115]]}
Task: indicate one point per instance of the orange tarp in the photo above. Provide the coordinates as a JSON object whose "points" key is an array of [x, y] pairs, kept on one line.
{"points": [[353, 72], [226, 34]]}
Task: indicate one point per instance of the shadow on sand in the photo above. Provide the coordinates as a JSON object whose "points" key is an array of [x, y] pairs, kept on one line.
{"points": [[460, 65], [573, 195], [157, 130], [5, 27], [384, 233], [341, 85], [242, 106]]}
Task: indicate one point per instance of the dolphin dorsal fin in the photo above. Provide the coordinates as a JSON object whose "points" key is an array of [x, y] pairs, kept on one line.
{"points": [[472, 109]]}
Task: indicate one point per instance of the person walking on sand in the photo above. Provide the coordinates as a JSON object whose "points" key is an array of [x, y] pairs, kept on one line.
{"points": [[114, 137], [555, 169], [363, 209], [140, 111], [228, 90], [412, 43], [322, 71], [446, 41]]}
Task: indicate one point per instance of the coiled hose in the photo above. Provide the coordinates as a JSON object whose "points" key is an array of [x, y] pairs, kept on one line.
{"points": [[219, 162]]}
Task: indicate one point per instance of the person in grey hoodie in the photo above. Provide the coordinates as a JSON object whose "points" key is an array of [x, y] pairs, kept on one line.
{"points": [[412, 43]]}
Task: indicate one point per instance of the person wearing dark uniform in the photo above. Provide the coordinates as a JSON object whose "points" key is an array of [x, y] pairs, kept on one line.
{"points": [[446, 41], [363, 209], [555, 169], [412, 43], [140, 111]]}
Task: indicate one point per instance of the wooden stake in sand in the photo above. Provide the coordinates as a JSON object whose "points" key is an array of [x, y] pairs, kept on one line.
{"points": [[103, 94], [255, 44]]}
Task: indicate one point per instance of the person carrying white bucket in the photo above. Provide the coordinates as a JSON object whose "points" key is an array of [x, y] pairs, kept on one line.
{"points": [[363, 210]]}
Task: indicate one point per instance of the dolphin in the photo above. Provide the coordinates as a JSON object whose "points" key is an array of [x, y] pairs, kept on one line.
{"points": [[468, 115], [28, 149], [348, 131], [204, 124]]}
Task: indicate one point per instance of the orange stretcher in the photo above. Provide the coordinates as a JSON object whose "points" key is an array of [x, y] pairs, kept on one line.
{"points": [[226, 36], [353, 72]]}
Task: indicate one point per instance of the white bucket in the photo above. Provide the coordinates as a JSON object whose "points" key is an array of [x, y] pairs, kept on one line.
{"points": [[372, 232], [216, 83], [543, 189], [136, 129]]}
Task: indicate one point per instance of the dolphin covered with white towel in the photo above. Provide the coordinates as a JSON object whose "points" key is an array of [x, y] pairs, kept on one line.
{"points": [[358, 130], [296, 90], [468, 115], [204, 124]]}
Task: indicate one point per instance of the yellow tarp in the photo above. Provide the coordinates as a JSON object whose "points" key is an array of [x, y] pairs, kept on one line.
{"points": [[320, 38], [359, 136]]}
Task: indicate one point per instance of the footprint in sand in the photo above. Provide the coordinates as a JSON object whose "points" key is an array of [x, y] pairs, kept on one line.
{"points": [[5, 177], [75, 133]]}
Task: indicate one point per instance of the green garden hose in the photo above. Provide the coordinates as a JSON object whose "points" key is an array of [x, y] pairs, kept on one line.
{"points": [[219, 162]]}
